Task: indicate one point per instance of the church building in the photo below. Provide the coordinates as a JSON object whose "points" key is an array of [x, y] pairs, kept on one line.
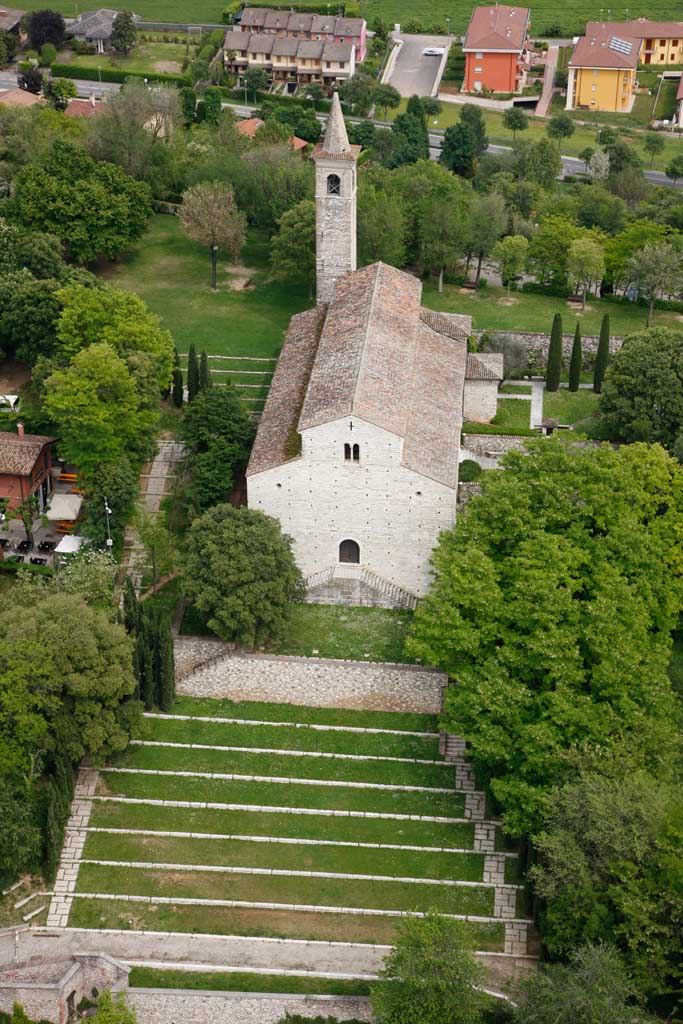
{"points": [[358, 446]]}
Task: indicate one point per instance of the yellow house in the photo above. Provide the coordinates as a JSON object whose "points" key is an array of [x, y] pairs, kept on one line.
{"points": [[660, 42], [602, 71]]}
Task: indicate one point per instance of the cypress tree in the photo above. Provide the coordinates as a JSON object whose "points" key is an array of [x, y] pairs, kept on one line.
{"points": [[602, 357], [131, 607], [576, 360], [176, 359], [166, 666], [177, 388], [204, 375], [192, 373], [554, 367]]}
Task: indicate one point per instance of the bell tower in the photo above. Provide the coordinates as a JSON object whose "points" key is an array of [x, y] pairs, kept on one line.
{"points": [[335, 205]]}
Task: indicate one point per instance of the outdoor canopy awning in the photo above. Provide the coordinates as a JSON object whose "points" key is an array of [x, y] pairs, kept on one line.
{"points": [[64, 507], [69, 545]]}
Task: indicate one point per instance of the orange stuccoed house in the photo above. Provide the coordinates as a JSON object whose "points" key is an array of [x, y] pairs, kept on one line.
{"points": [[495, 49], [25, 467]]}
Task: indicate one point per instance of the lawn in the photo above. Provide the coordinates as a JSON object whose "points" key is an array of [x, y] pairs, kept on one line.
{"points": [[515, 389], [239, 981], [331, 631], [572, 407], [512, 414], [146, 56], [173, 276], [529, 312]]}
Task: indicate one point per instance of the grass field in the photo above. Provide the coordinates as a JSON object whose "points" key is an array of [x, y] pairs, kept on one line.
{"points": [[572, 407], [240, 981], [173, 276], [512, 414], [146, 56], [186, 856], [545, 14], [490, 310]]}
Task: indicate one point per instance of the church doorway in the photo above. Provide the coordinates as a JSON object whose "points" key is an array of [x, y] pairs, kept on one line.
{"points": [[349, 552]]}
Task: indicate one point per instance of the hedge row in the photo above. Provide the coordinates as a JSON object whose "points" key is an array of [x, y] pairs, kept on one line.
{"points": [[346, 8], [113, 74], [237, 95], [12, 568]]}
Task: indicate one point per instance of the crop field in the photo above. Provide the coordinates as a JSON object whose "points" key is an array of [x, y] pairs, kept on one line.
{"points": [[273, 820]]}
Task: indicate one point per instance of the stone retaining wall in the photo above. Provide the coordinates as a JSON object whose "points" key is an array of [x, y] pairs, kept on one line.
{"points": [[315, 682], [538, 342], [160, 1006]]}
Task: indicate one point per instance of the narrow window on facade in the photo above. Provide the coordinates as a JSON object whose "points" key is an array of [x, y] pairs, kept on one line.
{"points": [[356, 453], [347, 452], [333, 185], [349, 552]]}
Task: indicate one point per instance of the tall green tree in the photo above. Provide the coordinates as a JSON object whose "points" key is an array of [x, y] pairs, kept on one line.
{"points": [[585, 264], [642, 394], [381, 226], [192, 373], [554, 365], [515, 120], [430, 976], [487, 223], [238, 569], [94, 404], [177, 392], [45, 26], [576, 360], [411, 138], [557, 592], [473, 117], [218, 431], [510, 255], [123, 33], [592, 988], [655, 271], [459, 150], [442, 233], [561, 127], [292, 249], [602, 355]]}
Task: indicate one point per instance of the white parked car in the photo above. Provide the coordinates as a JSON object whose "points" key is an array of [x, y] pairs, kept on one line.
{"points": [[433, 51]]}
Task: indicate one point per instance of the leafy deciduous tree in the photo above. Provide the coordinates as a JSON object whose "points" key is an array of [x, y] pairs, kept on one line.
{"points": [[209, 215], [510, 254], [292, 249]]}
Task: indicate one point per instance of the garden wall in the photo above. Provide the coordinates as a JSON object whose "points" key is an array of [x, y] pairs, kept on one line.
{"points": [[159, 1007], [315, 682], [539, 342]]}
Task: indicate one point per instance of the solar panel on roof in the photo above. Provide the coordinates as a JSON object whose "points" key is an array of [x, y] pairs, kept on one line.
{"points": [[620, 45]]}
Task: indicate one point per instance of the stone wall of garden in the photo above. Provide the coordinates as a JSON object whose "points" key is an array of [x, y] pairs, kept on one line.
{"points": [[538, 342], [156, 1006], [316, 682]]}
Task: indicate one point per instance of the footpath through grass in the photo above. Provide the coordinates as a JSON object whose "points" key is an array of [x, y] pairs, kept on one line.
{"points": [[239, 981]]}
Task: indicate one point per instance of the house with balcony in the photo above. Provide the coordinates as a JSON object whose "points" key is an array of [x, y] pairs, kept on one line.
{"points": [[602, 71], [325, 28], [289, 59], [659, 42], [495, 48]]}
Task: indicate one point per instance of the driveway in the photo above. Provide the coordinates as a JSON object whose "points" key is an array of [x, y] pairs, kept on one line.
{"points": [[413, 73]]}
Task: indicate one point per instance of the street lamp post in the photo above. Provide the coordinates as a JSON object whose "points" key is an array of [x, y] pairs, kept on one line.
{"points": [[448, 25], [107, 512]]}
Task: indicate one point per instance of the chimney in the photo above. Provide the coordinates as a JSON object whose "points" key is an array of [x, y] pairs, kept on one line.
{"points": [[20, 429]]}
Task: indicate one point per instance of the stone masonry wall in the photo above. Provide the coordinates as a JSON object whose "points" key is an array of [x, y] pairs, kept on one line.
{"points": [[480, 400], [316, 682], [162, 1007], [538, 342]]}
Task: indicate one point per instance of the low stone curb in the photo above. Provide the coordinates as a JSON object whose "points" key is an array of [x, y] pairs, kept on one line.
{"points": [[168, 965], [289, 725], [190, 901], [203, 805], [282, 780], [286, 873], [289, 753], [290, 841]]}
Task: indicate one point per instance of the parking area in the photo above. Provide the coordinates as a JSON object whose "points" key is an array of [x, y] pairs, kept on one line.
{"points": [[414, 72]]}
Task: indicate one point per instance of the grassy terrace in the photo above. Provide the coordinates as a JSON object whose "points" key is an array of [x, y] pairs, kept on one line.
{"points": [[238, 981], [235, 847]]}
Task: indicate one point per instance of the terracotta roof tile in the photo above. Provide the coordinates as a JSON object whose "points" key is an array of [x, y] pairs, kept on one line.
{"points": [[497, 28], [19, 98], [18, 455], [603, 48], [485, 366], [641, 28]]}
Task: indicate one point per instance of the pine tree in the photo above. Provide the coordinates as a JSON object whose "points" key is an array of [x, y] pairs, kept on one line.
{"points": [[204, 375], [177, 388], [576, 360], [602, 357], [192, 373], [554, 367]]}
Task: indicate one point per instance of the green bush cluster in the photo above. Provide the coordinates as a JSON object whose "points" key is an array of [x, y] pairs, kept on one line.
{"points": [[113, 74]]}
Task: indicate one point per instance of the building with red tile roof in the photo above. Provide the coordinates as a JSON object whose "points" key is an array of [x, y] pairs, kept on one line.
{"points": [[495, 49]]}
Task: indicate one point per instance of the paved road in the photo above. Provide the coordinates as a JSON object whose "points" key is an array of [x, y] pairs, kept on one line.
{"points": [[414, 73], [8, 80]]}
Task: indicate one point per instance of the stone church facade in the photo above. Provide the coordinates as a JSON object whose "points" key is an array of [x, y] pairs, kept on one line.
{"points": [[357, 449]]}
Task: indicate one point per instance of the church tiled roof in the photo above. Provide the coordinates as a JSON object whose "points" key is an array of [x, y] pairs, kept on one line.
{"points": [[370, 354], [485, 366]]}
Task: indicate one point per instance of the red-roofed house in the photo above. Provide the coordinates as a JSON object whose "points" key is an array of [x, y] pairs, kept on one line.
{"points": [[249, 126], [25, 464], [82, 108], [495, 49]]}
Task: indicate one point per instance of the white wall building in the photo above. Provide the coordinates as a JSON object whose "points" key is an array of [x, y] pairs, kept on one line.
{"points": [[357, 449]]}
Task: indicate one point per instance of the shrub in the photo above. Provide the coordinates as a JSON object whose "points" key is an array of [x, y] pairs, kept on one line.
{"points": [[112, 74], [469, 471], [48, 54]]}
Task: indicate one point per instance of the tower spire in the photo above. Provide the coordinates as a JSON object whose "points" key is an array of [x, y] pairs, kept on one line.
{"points": [[336, 139]]}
